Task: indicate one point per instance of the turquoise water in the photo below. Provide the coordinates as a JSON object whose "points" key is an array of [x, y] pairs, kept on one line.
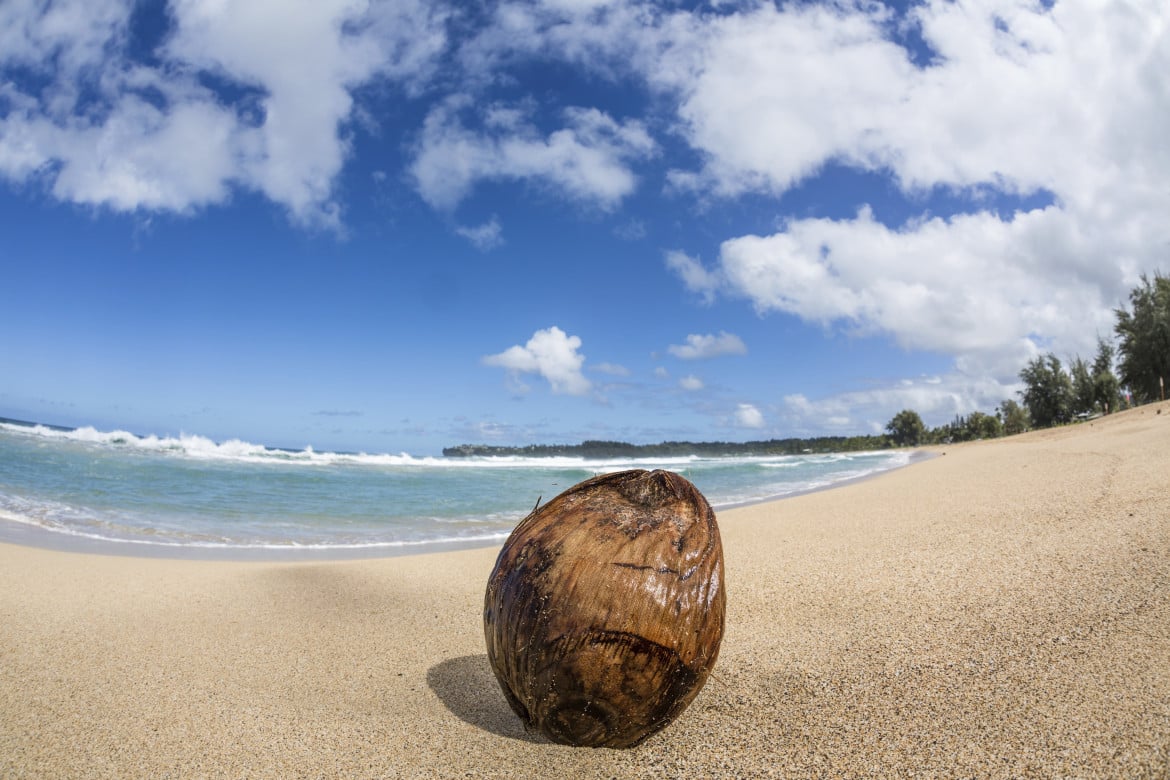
{"points": [[194, 494]]}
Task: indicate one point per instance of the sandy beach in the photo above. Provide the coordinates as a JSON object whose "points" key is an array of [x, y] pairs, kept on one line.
{"points": [[1002, 610]]}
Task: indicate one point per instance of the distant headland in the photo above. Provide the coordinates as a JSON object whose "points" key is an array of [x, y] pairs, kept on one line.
{"points": [[620, 449]]}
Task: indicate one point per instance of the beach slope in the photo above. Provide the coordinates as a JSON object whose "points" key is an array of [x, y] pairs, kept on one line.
{"points": [[1002, 610]]}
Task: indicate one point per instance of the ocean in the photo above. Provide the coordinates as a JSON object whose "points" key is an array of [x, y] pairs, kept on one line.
{"points": [[115, 491]]}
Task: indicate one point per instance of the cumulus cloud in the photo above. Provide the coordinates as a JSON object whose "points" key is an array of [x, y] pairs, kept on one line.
{"points": [[691, 383], [770, 94], [701, 347], [552, 354], [969, 286], [1063, 103], [1059, 103], [232, 99], [748, 416], [1016, 95], [587, 159]]}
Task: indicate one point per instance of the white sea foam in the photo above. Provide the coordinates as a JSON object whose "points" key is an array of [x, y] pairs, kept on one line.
{"points": [[195, 446], [174, 492]]}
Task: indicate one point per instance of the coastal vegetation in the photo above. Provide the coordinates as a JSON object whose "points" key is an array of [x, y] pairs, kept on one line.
{"points": [[668, 449], [1052, 395], [1056, 395], [1144, 334]]}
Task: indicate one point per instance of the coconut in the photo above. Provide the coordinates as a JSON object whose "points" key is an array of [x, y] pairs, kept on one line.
{"points": [[605, 610]]}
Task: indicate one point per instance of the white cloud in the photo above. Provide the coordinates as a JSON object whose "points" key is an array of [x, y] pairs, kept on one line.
{"points": [[267, 43], [73, 34], [107, 131], [937, 399], [691, 383], [606, 37], [483, 237], [701, 347], [768, 95], [587, 159], [970, 286], [748, 416], [1018, 98], [142, 140], [612, 369], [1065, 102], [551, 354], [138, 157], [693, 274]]}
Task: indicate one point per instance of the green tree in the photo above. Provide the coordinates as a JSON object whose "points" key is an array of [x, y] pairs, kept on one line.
{"points": [[956, 430], [983, 426], [943, 434], [906, 428], [1014, 417], [1106, 388], [1144, 334], [1083, 389], [1047, 391]]}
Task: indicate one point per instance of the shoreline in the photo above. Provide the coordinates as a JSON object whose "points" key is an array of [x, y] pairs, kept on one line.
{"points": [[14, 530], [22, 534], [1000, 612]]}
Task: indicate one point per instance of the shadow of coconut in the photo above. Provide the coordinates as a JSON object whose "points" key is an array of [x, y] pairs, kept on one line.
{"points": [[468, 688]]}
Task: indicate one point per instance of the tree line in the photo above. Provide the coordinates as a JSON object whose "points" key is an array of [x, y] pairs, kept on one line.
{"points": [[668, 449], [1133, 372]]}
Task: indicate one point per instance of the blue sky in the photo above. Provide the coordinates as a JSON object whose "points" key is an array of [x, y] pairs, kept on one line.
{"points": [[396, 226]]}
